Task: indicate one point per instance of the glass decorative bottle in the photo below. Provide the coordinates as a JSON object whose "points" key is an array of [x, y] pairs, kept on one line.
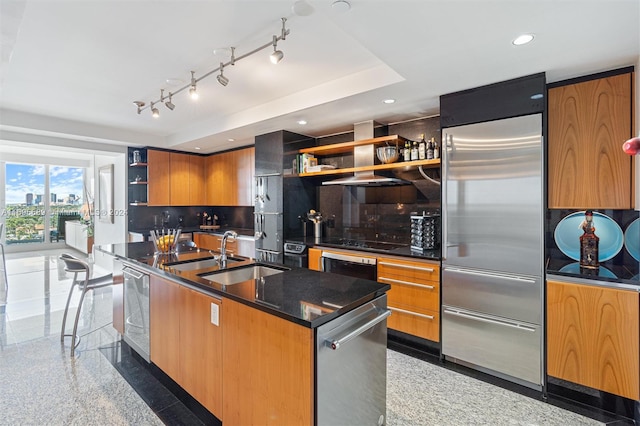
{"points": [[589, 242]]}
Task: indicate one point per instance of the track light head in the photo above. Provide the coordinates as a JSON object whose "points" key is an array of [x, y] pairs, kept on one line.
{"points": [[154, 111], [140, 105], [193, 90], [170, 104], [277, 55], [221, 78]]}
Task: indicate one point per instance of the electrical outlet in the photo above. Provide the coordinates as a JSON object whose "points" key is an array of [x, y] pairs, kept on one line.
{"points": [[215, 314]]}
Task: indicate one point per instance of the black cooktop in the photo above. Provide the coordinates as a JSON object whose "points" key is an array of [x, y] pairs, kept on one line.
{"points": [[363, 244]]}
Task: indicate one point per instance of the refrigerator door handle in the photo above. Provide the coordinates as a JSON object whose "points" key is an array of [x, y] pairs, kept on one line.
{"points": [[482, 318], [488, 274], [446, 147]]}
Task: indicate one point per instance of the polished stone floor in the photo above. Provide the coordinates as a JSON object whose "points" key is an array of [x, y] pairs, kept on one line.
{"points": [[41, 384]]}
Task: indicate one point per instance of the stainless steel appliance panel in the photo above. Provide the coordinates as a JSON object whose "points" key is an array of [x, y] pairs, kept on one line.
{"points": [[136, 310], [511, 296], [493, 195], [351, 379], [508, 347]]}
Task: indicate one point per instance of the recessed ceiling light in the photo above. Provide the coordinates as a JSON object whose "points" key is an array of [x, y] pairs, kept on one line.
{"points": [[197, 147], [340, 6], [522, 39], [231, 140], [302, 122], [388, 101]]}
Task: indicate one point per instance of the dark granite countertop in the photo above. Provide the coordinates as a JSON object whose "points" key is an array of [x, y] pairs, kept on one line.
{"points": [[405, 250], [306, 297], [614, 272]]}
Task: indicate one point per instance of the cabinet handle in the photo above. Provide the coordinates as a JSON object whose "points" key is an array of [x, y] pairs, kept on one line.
{"points": [[429, 317], [428, 287], [398, 265]]}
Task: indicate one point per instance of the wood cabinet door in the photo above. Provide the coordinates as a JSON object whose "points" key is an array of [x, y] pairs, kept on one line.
{"points": [[593, 337], [179, 182], [268, 368], [588, 122], [245, 167], [201, 349], [314, 259], [218, 169], [197, 196], [164, 325], [158, 164]]}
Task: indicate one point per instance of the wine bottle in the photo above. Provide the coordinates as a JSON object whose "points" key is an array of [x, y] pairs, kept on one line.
{"points": [[436, 149], [422, 148], [430, 148], [589, 243], [414, 151]]}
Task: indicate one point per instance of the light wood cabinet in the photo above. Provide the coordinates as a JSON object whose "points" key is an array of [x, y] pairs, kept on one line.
{"points": [[158, 176], [268, 373], [593, 337], [175, 179], [196, 180], [229, 178], [179, 182], [314, 259], [214, 242], [184, 343], [587, 124], [414, 297], [164, 325]]}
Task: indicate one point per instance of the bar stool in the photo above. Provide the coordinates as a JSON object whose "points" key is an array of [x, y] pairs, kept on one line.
{"points": [[78, 266]]}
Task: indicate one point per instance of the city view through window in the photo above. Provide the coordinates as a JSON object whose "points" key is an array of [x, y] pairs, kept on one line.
{"points": [[39, 198]]}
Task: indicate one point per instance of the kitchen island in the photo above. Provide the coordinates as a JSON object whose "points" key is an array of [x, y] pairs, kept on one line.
{"points": [[272, 349]]}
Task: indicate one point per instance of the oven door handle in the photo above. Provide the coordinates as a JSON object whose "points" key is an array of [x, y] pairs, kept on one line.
{"points": [[358, 260]]}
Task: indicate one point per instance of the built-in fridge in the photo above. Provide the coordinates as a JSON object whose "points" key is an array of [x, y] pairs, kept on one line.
{"points": [[492, 267]]}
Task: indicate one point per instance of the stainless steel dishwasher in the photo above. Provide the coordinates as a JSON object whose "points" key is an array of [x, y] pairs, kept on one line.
{"points": [[351, 361], [136, 310]]}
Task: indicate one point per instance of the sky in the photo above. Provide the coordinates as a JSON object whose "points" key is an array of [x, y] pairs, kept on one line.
{"points": [[22, 179]]}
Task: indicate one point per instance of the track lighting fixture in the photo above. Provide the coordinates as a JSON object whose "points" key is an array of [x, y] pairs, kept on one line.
{"points": [[140, 105], [221, 78], [193, 90], [170, 104], [276, 57]]}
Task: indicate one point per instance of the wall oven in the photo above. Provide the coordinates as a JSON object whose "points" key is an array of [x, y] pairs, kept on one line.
{"points": [[349, 264]]}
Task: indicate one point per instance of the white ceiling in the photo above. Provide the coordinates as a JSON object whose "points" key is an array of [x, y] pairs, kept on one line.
{"points": [[74, 68]]}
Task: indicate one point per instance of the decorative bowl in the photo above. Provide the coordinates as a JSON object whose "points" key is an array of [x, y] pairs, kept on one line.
{"points": [[387, 154]]}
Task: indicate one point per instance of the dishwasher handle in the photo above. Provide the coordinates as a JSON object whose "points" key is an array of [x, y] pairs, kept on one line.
{"points": [[132, 272], [335, 344]]}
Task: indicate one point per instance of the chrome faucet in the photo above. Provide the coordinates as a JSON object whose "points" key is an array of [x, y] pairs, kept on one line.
{"points": [[223, 247]]}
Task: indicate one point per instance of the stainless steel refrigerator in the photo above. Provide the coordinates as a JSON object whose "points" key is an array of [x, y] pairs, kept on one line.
{"points": [[492, 275]]}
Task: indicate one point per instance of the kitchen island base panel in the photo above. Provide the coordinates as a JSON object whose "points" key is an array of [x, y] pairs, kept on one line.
{"points": [[268, 372]]}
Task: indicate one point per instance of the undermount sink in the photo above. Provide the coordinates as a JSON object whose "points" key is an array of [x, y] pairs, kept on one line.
{"points": [[238, 275], [192, 265]]}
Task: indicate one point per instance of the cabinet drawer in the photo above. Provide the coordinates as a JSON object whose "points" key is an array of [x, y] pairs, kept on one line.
{"points": [[411, 271], [424, 325], [406, 293]]}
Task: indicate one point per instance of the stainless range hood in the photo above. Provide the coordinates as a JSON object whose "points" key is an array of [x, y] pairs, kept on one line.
{"points": [[364, 156]]}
